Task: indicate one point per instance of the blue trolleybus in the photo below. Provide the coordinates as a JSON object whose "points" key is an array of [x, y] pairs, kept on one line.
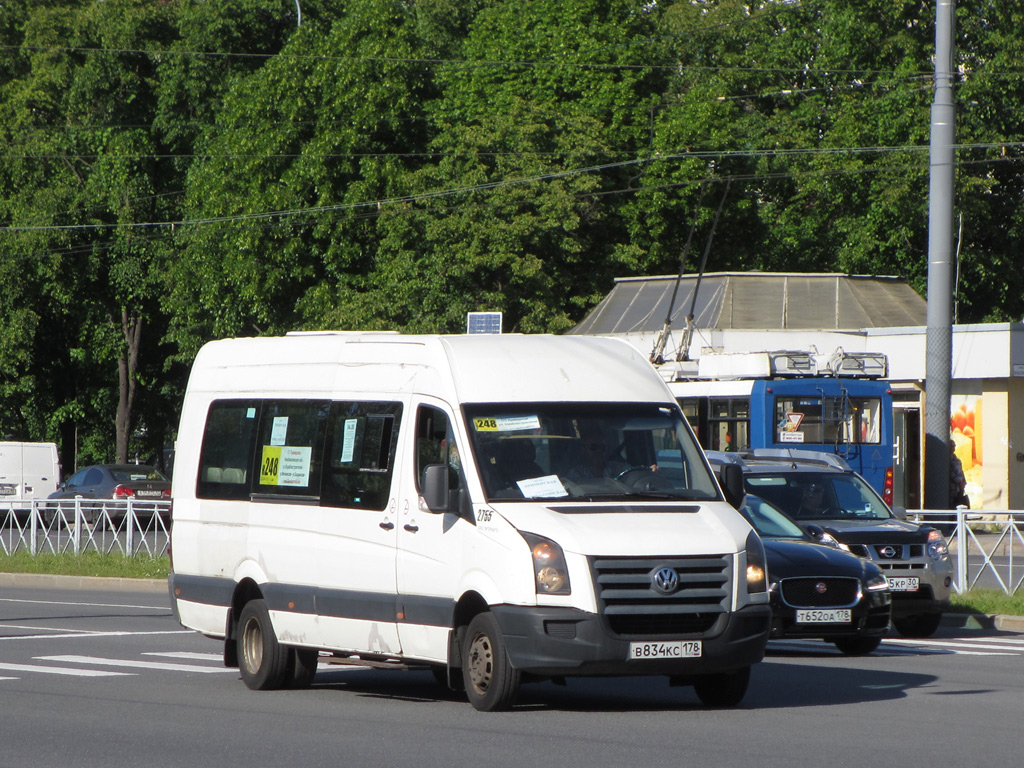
{"points": [[840, 405]]}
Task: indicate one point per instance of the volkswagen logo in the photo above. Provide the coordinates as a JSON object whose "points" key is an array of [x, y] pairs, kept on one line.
{"points": [[821, 587], [888, 552], [665, 580]]}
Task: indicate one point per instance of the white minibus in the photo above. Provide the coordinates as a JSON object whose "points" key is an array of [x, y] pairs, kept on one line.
{"points": [[497, 508]]}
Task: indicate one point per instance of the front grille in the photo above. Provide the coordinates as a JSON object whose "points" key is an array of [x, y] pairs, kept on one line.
{"points": [[900, 551], [900, 566], [632, 606], [805, 593]]}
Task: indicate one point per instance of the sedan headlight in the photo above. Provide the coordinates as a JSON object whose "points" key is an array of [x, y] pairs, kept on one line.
{"points": [[876, 583], [757, 571], [937, 547], [550, 571]]}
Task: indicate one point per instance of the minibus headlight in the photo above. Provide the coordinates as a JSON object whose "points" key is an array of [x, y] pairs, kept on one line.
{"points": [[757, 572], [550, 572]]}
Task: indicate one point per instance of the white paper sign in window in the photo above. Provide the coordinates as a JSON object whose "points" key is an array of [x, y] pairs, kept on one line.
{"points": [[279, 432]]}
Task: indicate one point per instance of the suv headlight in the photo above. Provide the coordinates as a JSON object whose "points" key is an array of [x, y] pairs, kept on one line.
{"points": [[551, 576], [757, 571], [937, 547], [831, 541]]}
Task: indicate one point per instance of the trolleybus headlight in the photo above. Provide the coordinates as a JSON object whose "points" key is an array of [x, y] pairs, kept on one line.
{"points": [[551, 573]]}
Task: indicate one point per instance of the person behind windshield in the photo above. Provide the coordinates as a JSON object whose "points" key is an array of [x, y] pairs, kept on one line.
{"points": [[812, 502], [595, 461]]}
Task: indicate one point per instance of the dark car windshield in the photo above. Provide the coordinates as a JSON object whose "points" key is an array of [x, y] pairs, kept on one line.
{"points": [[818, 495], [596, 451], [768, 521]]}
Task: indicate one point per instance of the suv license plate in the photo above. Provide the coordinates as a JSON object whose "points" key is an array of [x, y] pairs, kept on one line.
{"points": [[684, 649], [903, 584], [829, 616]]}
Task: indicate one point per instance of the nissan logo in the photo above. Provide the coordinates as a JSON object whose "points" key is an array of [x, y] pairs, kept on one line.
{"points": [[665, 580], [888, 552], [821, 587]]}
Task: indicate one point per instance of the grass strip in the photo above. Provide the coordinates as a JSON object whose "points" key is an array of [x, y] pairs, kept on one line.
{"points": [[87, 564]]}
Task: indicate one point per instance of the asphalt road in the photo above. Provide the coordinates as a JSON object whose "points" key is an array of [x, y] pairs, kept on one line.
{"points": [[90, 677]]}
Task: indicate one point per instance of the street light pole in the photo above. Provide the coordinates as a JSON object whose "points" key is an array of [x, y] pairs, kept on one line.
{"points": [[939, 341]]}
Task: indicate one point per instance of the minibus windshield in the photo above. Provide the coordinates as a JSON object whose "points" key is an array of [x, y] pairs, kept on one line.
{"points": [[599, 451]]}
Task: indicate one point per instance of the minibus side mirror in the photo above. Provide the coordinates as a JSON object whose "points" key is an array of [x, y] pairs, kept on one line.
{"points": [[731, 476], [435, 487]]}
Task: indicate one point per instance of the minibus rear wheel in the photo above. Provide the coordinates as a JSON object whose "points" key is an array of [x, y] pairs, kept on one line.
{"points": [[262, 660], [491, 681]]}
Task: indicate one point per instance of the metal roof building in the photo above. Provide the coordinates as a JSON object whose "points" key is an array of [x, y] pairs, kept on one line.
{"points": [[755, 301]]}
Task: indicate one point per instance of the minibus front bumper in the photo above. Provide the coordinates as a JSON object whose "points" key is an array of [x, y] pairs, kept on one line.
{"points": [[555, 642]]}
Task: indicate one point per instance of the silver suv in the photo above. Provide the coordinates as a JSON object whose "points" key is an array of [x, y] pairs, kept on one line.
{"points": [[829, 500]]}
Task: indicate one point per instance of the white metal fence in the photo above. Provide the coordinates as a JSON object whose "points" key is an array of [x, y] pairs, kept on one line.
{"points": [[987, 547], [76, 526]]}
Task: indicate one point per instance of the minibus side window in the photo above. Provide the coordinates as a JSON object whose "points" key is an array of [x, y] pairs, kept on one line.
{"points": [[227, 447], [289, 451], [362, 439], [435, 444]]}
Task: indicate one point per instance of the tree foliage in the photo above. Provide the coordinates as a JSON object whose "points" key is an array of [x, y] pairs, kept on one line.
{"points": [[180, 170]]}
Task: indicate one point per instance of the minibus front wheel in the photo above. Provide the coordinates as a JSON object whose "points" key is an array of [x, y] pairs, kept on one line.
{"points": [[262, 660], [491, 681]]}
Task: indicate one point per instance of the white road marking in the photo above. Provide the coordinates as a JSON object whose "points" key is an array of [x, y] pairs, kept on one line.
{"points": [[952, 644], [87, 605], [135, 664], [74, 672], [892, 646], [90, 634], [186, 655]]}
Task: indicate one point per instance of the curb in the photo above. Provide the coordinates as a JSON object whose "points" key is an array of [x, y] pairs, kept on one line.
{"points": [[53, 581], [981, 621]]}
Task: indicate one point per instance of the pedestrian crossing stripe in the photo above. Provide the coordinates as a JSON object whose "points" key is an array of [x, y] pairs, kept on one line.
{"points": [[135, 664], [909, 647], [72, 671]]}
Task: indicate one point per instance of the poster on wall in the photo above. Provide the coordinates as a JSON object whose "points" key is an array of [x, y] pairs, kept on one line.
{"points": [[965, 427]]}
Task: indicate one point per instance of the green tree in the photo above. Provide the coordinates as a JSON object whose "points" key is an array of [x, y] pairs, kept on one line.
{"points": [[82, 176], [539, 127]]}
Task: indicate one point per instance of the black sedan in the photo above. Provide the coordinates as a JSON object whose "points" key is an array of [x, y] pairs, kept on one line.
{"points": [[116, 482], [819, 591]]}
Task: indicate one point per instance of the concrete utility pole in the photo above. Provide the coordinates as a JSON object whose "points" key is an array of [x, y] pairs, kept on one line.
{"points": [[939, 342]]}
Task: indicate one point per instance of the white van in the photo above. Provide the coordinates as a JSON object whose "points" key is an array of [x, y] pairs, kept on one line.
{"points": [[499, 508], [28, 471]]}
